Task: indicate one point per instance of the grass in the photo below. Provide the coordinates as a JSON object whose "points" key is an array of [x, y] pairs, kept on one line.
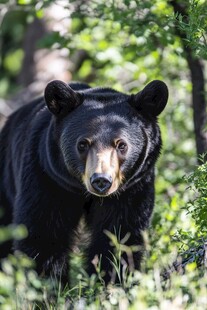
{"points": [[21, 288]]}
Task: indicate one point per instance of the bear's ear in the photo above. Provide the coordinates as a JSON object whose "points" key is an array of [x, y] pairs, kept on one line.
{"points": [[60, 98], [152, 99]]}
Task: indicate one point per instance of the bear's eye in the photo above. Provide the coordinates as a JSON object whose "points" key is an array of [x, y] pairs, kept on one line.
{"points": [[83, 146], [121, 146]]}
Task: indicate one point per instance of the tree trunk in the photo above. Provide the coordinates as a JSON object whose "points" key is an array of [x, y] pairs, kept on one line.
{"points": [[36, 30], [198, 86], [198, 101]]}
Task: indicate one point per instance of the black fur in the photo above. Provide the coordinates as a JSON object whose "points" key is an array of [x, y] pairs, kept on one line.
{"points": [[40, 171]]}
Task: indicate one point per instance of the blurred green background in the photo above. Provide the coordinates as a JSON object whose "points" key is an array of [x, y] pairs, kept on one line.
{"points": [[123, 44]]}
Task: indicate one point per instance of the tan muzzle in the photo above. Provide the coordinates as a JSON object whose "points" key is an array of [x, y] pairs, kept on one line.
{"points": [[102, 174]]}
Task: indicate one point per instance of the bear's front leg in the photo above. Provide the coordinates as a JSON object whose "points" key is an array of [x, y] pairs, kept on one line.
{"points": [[99, 257], [115, 259], [105, 220], [51, 259], [50, 219]]}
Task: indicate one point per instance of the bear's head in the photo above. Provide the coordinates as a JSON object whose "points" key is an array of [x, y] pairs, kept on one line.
{"points": [[108, 140]]}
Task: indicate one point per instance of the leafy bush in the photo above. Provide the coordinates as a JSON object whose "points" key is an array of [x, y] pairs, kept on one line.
{"points": [[197, 207]]}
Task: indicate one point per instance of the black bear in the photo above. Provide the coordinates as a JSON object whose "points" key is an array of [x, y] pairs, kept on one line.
{"points": [[80, 152]]}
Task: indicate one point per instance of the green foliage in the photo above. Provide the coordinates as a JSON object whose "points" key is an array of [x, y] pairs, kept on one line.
{"points": [[20, 288], [16, 286], [195, 27], [11, 51], [198, 206], [13, 61], [12, 232]]}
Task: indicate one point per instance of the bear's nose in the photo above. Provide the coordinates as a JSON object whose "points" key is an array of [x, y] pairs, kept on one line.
{"points": [[101, 182]]}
